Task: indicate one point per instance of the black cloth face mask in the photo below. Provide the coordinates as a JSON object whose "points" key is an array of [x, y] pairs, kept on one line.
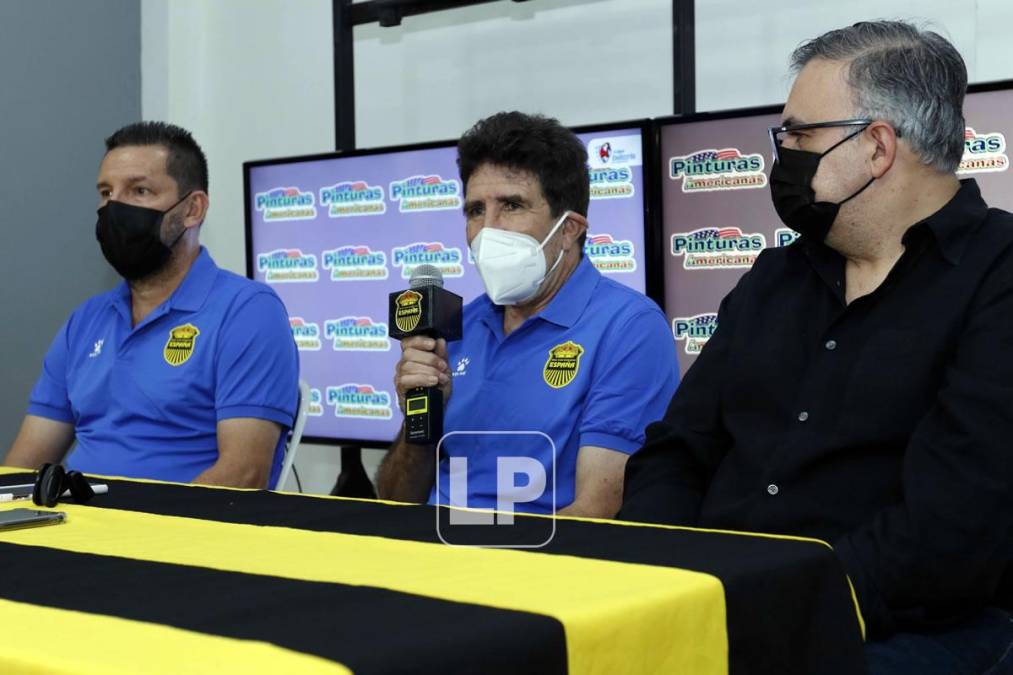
{"points": [[131, 238], [793, 196]]}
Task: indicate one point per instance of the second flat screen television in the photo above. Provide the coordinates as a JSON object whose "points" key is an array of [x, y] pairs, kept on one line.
{"points": [[334, 234]]}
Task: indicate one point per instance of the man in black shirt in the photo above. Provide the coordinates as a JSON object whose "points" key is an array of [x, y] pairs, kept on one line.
{"points": [[859, 387]]}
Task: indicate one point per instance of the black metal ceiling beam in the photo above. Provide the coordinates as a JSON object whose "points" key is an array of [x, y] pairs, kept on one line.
{"points": [[390, 12], [684, 56], [344, 76]]}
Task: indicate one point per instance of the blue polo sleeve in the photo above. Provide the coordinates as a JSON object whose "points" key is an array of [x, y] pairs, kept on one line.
{"points": [[257, 366], [49, 396], [634, 378]]}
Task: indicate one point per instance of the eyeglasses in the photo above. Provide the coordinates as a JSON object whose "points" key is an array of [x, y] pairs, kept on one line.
{"points": [[776, 133]]}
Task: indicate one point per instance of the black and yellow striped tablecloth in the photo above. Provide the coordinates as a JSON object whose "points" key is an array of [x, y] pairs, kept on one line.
{"points": [[165, 578]]}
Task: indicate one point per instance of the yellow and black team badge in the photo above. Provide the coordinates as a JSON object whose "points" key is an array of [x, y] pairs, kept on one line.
{"points": [[180, 345], [562, 364], [409, 311]]}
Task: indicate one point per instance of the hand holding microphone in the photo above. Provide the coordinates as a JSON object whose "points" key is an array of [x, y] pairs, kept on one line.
{"points": [[423, 363], [424, 318]]}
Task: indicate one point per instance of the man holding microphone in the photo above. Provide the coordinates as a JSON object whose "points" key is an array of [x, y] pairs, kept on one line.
{"points": [[552, 350]]}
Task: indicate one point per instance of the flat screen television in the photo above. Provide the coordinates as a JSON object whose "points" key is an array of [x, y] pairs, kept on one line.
{"points": [[716, 214], [335, 233]]}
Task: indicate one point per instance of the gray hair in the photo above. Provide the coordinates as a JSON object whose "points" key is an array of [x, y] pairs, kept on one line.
{"points": [[912, 78]]}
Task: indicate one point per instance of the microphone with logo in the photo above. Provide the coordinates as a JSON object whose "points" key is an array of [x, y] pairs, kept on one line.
{"points": [[426, 308]]}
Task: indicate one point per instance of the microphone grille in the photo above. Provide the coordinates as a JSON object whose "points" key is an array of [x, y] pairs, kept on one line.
{"points": [[426, 275]]}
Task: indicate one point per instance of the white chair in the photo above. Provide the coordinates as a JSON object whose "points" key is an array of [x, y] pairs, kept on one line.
{"points": [[293, 441]]}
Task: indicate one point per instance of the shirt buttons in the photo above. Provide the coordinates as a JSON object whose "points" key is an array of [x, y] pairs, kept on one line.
{"points": [[772, 489], [803, 416], [831, 345]]}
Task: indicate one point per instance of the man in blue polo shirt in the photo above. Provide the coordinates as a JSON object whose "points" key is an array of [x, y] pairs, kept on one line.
{"points": [[184, 372], [558, 366]]}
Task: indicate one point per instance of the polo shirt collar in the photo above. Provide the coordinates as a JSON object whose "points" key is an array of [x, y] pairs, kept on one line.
{"points": [[121, 300], [564, 309], [189, 296], [573, 297], [197, 283]]}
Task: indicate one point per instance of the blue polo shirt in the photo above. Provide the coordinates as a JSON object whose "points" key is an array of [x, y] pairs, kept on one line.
{"points": [[145, 401], [595, 367]]}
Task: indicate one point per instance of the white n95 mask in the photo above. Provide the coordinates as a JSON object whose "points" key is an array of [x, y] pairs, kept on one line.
{"points": [[511, 264]]}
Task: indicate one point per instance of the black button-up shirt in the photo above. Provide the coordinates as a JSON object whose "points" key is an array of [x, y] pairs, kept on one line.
{"points": [[884, 427]]}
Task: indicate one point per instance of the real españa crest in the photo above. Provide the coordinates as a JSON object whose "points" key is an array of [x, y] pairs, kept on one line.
{"points": [[180, 346], [562, 365], [408, 311]]}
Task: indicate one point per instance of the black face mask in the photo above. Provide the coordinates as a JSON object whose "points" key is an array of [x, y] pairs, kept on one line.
{"points": [[794, 199], [131, 238]]}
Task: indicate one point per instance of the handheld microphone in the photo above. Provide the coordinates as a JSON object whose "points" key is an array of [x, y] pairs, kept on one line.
{"points": [[426, 308]]}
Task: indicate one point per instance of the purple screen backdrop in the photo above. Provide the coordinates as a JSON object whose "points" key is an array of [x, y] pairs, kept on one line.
{"points": [[335, 236], [717, 214]]}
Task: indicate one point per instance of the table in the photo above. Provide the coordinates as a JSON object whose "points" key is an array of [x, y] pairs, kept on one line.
{"points": [[159, 577]]}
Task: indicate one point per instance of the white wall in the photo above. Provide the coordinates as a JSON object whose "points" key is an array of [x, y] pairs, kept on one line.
{"points": [[254, 78], [743, 47], [603, 60], [583, 61], [251, 79]]}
